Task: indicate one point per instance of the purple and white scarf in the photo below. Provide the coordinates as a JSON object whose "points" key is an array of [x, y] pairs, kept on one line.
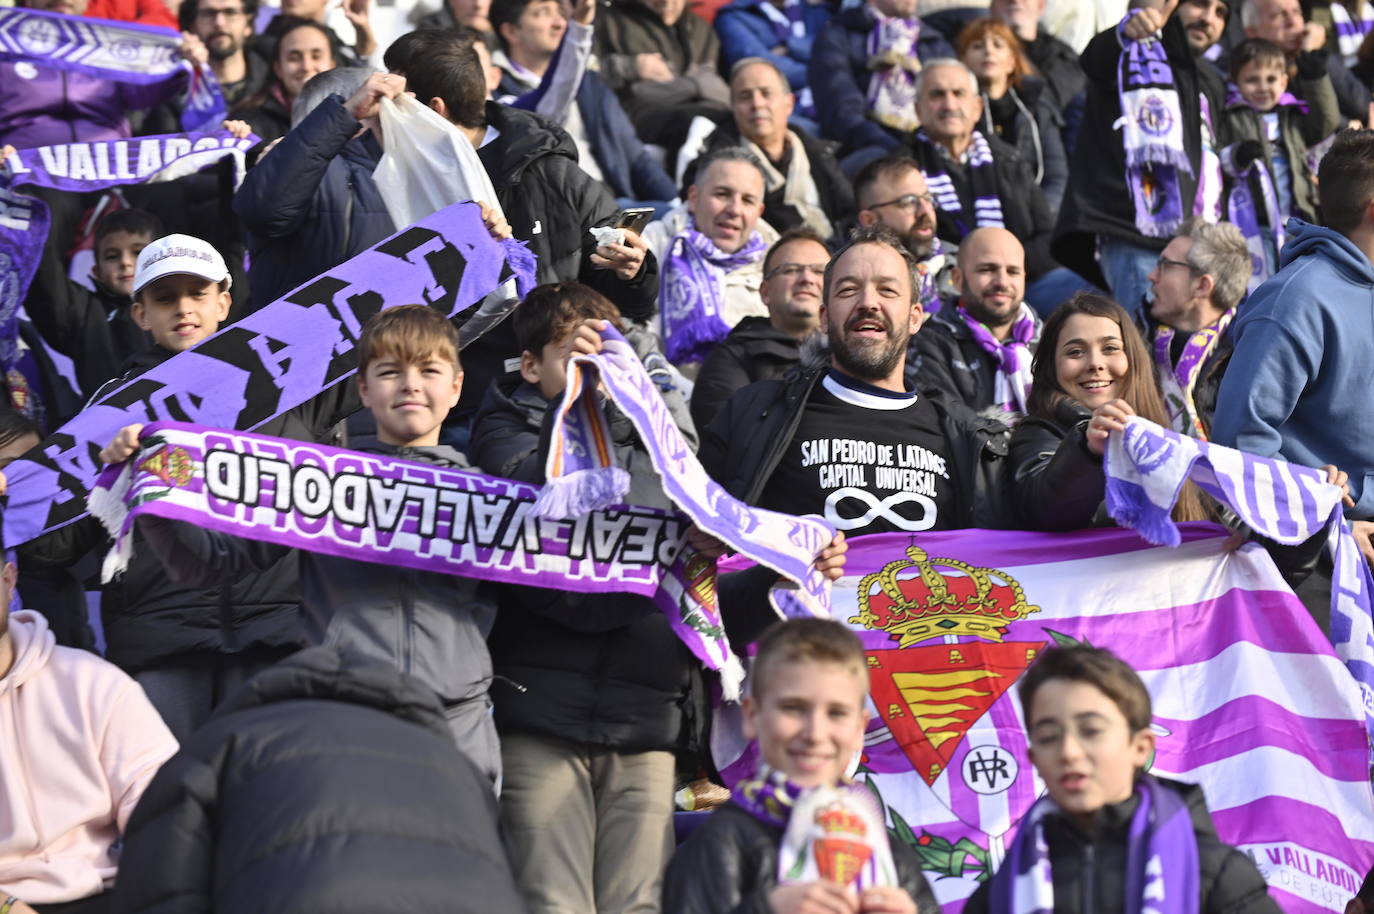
{"points": [[987, 201], [1146, 467], [1013, 356], [1178, 381], [1162, 864], [834, 833], [691, 292], [271, 361], [1152, 135], [928, 269], [83, 167], [577, 464], [1351, 30], [788, 22], [393, 512], [893, 63], [1241, 209], [108, 49]]}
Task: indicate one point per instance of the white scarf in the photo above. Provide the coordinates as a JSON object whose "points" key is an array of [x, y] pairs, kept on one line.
{"points": [[798, 187]]}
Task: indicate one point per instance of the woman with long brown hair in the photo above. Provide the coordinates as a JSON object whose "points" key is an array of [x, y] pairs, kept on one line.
{"points": [[1091, 373]]}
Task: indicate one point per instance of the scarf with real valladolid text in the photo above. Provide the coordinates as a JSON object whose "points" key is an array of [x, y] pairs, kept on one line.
{"points": [[1146, 467], [1013, 356], [289, 351], [982, 178], [581, 476], [691, 292], [1178, 380], [1152, 135], [80, 167], [394, 512], [1162, 863], [894, 64]]}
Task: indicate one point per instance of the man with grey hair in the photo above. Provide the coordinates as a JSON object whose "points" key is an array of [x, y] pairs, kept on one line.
{"points": [[710, 254], [979, 180], [1197, 284], [803, 183], [1304, 45]]}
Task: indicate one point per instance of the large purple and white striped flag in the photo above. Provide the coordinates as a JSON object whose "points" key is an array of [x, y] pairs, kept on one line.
{"points": [[1250, 700]]}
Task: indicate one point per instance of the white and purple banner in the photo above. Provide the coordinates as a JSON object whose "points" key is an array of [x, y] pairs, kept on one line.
{"points": [[374, 508], [110, 49], [1250, 700]]}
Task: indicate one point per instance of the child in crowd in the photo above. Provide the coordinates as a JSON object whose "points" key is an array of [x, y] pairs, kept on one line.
{"points": [[432, 626], [1105, 824], [94, 328], [1273, 131], [806, 707], [188, 646], [607, 694]]}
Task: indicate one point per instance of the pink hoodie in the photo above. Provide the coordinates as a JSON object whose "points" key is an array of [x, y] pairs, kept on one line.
{"points": [[79, 742]]}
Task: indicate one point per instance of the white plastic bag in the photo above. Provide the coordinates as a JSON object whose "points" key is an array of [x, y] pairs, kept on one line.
{"points": [[427, 163]]}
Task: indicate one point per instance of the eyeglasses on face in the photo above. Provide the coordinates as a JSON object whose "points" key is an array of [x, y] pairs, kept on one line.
{"points": [[796, 269], [907, 202]]}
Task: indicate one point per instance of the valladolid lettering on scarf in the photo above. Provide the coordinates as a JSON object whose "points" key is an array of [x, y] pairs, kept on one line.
{"points": [[1147, 466], [415, 515], [84, 167], [581, 457], [109, 49], [270, 361]]}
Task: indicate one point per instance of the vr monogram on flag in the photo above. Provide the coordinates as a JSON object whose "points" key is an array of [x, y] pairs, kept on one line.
{"points": [[270, 361], [113, 50], [1250, 701], [415, 515]]}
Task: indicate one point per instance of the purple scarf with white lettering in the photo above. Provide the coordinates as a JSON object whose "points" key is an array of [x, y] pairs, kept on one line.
{"points": [[982, 178], [394, 512], [786, 544], [691, 293], [83, 167], [112, 50], [1152, 134], [1162, 866], [1178, 381], [1013, 356], [290, 351]]}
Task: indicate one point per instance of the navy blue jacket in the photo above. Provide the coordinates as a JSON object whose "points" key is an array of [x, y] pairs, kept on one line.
{"points": [[311, 203], [839, 79], [746, 31]]}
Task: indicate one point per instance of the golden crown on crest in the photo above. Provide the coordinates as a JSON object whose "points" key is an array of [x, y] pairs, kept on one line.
{"points": [[919, 598]]}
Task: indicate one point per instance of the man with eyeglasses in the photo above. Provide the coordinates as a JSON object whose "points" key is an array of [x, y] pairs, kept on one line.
{"points": [[221, 29], [760, 348], [1197, 283], [892, 193]]}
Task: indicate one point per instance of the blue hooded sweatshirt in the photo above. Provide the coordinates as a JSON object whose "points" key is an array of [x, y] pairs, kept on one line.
{"points": [[1300, 382]]}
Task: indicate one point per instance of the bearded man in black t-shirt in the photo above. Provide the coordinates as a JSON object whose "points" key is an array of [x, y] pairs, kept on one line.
{"points": [[846, 440]]}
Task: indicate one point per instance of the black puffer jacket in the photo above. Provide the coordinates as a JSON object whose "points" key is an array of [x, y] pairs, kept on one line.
{"points": [[325, 784], [550, 203], [1056, 482], [1089, 866], [749, 437], [1097, 201], [951, 361], [755, 350], [597, 669], [730, 864]]}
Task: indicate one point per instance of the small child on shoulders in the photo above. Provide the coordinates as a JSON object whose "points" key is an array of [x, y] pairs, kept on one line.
{"points": [[806, 707]]}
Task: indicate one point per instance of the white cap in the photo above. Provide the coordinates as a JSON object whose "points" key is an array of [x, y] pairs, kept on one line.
{"points": [[173, 254]]}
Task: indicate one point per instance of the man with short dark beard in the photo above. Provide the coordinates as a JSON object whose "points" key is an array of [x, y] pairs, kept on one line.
{"points": [[892, 193], [847, 439], [222, 29], [979, 351]]}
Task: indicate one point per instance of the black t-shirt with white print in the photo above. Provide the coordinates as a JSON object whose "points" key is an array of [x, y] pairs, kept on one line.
{"points": [[869, 460]]}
